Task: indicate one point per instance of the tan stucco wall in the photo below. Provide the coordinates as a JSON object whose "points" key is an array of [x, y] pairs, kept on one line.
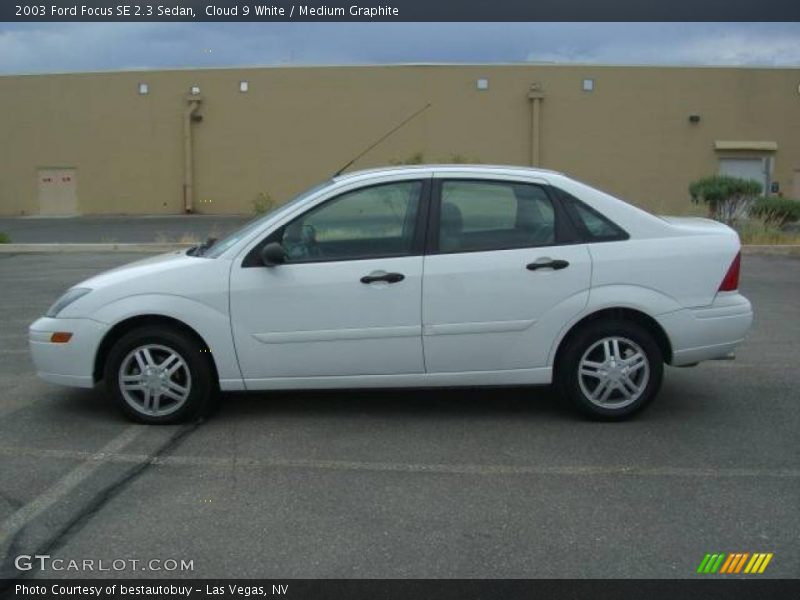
{"points": [[295, 126]]}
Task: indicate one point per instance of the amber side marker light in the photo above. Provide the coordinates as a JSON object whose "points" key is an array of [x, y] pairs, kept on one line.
{"points": [[61, 337]]}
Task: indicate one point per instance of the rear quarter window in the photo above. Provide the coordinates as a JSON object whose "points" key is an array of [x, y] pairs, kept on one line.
{"points": [[593, 226]]}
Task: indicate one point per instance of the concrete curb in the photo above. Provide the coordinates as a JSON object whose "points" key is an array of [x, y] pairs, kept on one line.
{"points": [[148, 248], [773, 250], [157, 247]]}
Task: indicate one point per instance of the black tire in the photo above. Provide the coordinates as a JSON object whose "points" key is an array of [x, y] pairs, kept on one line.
{"points": [[197, 370], [571, 384]]}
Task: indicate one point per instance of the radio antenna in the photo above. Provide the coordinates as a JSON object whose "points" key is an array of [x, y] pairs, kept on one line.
{"points": [[386, 135]]}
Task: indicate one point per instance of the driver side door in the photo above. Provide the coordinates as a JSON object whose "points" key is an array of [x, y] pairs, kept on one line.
{"points": [[347, 301]]}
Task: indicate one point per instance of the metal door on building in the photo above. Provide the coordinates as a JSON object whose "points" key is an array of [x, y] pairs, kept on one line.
{"points": [[757, 169], [57, 191]]}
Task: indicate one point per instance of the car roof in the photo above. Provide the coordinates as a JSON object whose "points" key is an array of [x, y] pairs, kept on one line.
{"points": [[426, 169]]}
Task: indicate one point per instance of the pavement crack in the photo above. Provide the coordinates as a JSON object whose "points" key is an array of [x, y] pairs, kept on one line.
{"points": [[8, 572], [13, 503]]}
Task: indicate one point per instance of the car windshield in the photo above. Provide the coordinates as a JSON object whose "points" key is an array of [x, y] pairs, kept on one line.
{"points": [[220, 246]]}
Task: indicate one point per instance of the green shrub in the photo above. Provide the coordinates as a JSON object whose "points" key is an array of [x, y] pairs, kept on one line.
{"points": [[418, 158], [4, 239], [460, 159], [263, 203], [776, 212], [727, 198], [756, 231]]}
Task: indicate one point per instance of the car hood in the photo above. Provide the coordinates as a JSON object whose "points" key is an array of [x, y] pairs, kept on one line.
{"points": [[146, 267], [172, 275]]}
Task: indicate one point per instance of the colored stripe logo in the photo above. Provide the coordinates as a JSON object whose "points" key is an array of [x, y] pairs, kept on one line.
{"points": [[735, 562]]}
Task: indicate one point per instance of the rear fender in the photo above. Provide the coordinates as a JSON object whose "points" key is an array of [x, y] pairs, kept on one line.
{"points": [[644, 300]]}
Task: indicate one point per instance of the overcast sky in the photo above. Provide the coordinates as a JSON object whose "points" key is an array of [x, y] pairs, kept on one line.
{"points": [[57, 47]]}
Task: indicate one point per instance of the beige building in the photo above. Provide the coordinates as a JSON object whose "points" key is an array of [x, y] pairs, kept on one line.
{"points": [[143, 142]]}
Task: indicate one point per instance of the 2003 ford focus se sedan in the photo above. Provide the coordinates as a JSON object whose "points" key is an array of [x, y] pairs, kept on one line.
{"points": [[404, 277]]}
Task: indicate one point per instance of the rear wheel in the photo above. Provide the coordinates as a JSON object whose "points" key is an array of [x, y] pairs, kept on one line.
{"points": [[160, 376], [610, 369]]}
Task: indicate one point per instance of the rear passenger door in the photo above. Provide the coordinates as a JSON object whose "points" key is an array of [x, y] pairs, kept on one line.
{"points": [[503, 273]]}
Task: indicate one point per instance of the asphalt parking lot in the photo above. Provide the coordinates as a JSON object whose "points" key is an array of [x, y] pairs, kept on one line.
{"points": [[119, 228], [468, 484]]}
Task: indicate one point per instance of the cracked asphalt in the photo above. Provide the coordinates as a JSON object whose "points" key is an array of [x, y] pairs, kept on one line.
{"points": [[426, 484]]}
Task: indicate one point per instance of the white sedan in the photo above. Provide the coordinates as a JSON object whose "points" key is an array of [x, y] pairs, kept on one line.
{"points": [[410, 277]]}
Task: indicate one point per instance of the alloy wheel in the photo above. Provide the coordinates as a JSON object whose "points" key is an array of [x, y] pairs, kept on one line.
{"points": [[155, 380], [613, 372]]}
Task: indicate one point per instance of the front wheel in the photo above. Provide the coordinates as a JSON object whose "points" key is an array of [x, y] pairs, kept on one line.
{"points": [[610, 370], [160, 375]]}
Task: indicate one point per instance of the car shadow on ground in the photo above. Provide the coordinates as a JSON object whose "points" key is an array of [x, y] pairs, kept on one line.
{"points": [[440, 402], [675, 401]]}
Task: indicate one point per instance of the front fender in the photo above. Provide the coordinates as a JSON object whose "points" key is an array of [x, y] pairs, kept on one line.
{"points": [[210, 323]]}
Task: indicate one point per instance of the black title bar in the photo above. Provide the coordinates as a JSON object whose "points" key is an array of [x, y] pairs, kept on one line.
{"points": [[398, 589], [400, 10]]}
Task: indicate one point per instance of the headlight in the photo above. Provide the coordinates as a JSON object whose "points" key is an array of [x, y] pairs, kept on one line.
{"points": [[68, 298]]}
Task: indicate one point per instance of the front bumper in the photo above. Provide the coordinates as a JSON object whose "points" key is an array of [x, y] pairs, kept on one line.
{"points": [[70, 363], [708, 333]]}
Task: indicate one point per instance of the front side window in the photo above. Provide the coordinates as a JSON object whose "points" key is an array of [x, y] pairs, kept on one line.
{"points": [[220, 246], [370, 222], [477, 215]]}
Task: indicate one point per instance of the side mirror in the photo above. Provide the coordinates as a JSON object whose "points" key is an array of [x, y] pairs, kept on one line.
{"points": [[273, 254]]}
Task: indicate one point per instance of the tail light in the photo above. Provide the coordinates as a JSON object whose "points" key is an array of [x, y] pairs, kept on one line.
{"points": [[731, 281]]}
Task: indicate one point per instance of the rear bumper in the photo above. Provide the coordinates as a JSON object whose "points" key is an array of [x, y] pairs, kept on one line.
{"points": [[71, 363], [710, 332]]}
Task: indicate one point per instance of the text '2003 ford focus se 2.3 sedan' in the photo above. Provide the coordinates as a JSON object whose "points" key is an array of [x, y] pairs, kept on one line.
{"points": [[412, 276]]}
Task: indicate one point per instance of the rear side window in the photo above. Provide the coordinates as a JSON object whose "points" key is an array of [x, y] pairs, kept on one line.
{"points": [[594, 226], [477, 215]]}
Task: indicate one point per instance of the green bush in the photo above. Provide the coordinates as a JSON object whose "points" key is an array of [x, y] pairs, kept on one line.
{"points": [[727, 198], [4, 239], [263, 203], [756, 231], [776, 212], [418, 158]]}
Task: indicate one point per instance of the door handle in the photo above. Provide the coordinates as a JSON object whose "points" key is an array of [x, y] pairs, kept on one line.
{"points": [[382, 276], [556, 265]]}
